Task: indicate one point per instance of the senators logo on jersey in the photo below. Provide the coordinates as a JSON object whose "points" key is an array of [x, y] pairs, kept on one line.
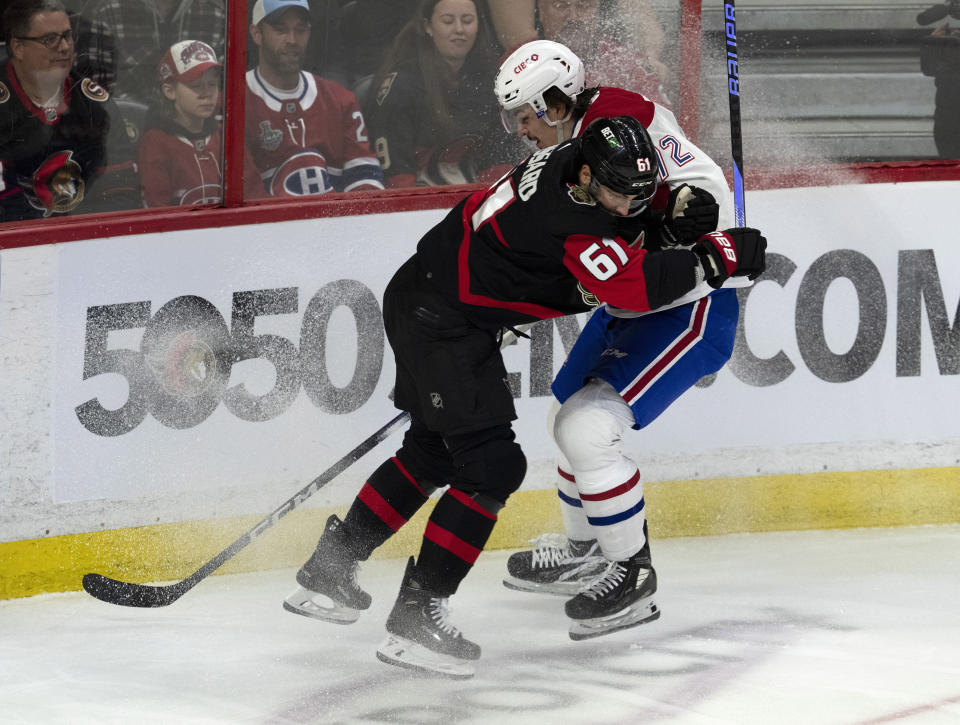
{"points": [[304, 174], [57, 186], [93, 90]]}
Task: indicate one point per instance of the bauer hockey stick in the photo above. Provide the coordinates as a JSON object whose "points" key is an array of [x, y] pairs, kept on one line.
{"points": [[733, 91], [129, 594]]}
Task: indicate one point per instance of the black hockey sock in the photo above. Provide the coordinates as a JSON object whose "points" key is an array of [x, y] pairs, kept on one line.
{"points": [[455, 535], [389, 498]]}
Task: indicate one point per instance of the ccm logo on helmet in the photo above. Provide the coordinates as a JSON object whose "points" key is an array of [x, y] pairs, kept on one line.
{"points": [[523, 64]]}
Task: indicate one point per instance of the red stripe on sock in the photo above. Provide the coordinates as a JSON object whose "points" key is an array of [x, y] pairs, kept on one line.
{"points": [[613, 492], [378, 504], [569, 476], [408, 476], [451, 542], [467, 501]]}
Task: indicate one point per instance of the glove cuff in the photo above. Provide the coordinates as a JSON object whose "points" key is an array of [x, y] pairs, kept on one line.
{"points": [[710, 270]]}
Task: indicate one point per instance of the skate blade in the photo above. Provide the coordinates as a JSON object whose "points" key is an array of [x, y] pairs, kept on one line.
{"points": [[402, 652], [566, 589], [632, 616], [319, 606]]}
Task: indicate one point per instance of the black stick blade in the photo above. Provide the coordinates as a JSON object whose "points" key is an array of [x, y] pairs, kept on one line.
{"points": [[126, 594]]}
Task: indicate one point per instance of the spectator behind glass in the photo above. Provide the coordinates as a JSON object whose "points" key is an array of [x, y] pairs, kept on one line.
{"points": [[940, 59], [182, 143], [143, 30], [367, 28], [95, 52], [56, 132], [428, 107], [306, 134], [595, 30]]}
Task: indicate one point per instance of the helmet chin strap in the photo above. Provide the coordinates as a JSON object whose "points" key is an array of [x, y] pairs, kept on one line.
{"points": [[559, 125]]}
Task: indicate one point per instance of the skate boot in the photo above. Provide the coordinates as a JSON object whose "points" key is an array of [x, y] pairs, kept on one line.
{"points": [[555, 565], [421, 638], [621, 598], [328, 581]]}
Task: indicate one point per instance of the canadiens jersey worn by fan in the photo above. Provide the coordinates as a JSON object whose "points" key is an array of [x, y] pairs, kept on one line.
{"points": [[536, 245], [310, 140], [180, 168]]}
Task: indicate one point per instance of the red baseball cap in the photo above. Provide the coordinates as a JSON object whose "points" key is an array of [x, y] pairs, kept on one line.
{"points": [[186, 61]]}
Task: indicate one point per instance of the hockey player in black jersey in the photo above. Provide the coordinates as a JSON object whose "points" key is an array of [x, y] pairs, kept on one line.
{"points": [[550, 238]]}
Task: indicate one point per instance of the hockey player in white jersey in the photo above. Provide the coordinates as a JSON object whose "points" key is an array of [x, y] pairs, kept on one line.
{"points": [[625, 369]]}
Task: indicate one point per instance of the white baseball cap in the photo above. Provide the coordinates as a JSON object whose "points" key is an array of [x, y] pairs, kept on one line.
{"points": [[263, 8], [186, 61]]}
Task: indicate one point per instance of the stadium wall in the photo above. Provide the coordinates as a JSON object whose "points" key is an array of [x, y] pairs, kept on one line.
{"points": [[134, 445]]}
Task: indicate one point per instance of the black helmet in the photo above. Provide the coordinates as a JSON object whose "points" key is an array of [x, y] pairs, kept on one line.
{"points": [[620, 155]]}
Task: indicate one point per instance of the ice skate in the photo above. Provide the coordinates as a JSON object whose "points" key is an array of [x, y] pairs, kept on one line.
{"points": [[555, 565], [328, 581], [420, 637], [621, 598]]}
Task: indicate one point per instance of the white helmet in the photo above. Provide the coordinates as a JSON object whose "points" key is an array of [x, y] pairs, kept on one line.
{"points": [[532, 69]]}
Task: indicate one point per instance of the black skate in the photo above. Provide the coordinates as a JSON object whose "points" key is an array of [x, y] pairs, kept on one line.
{"points": [[555, 565], [328, 581], [621, 598], [421, 638]]}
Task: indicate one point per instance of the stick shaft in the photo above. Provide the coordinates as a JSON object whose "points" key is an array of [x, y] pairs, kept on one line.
{"points": [[129, 594], [733, 91]]}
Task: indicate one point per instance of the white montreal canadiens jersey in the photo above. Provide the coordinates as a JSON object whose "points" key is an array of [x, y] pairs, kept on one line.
{"points": [[680, 162], [310, 140]]}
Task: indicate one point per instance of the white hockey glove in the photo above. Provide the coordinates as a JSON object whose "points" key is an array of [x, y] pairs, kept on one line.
{"points": [[691, 212]]}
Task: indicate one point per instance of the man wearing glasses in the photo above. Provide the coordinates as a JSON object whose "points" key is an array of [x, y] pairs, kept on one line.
{"points": [[55, 126]]}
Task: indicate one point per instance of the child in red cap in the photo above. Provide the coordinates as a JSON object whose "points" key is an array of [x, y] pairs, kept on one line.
{"points": [[182, 144]]}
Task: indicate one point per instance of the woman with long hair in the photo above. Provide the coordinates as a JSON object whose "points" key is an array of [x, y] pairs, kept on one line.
{"points": [[427, 108]]}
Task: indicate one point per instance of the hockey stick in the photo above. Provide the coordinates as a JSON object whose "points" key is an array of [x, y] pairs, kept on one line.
{"points": [[128, 594], [733, 90]]}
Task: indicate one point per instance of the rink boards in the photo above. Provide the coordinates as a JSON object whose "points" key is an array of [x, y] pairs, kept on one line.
{"points": [[161, 393]]}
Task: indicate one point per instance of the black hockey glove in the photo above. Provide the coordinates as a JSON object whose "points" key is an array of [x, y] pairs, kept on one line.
{"points": [[737, 252], [691, 213]]}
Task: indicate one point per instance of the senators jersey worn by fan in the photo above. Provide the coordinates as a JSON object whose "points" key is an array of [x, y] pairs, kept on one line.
{"points": [[535, 245], [310, 140], [49, 160]]}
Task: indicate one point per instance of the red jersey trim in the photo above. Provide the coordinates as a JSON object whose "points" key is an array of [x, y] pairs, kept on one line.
{"points": [[669, 357], [30, 105], [469, 298]]}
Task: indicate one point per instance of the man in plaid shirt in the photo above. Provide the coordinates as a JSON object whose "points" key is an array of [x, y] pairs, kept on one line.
{"points": [[143, 30]]}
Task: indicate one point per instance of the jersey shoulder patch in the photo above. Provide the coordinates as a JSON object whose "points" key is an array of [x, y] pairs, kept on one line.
{"points": [[4, 93], [580, 195], [384, 90], [94, 91]]}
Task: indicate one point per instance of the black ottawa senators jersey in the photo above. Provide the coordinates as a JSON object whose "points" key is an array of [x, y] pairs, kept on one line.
{"points": [[49, 159], [535, 246]]}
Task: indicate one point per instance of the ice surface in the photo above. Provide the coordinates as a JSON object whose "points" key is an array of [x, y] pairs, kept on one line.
{"points": [[820, 627]]}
